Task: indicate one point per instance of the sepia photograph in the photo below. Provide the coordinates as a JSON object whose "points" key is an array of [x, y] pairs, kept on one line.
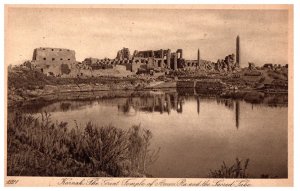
{"points": [[149, 95]]}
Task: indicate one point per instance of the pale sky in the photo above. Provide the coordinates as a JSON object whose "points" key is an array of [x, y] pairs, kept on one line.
{"points": [[101, 33]]}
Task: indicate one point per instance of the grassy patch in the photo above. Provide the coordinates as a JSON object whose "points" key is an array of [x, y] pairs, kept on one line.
{"points": [[40, 147], [237, 170]]}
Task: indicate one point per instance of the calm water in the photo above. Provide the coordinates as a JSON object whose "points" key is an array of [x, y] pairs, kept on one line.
{"points": [[195, 133]]}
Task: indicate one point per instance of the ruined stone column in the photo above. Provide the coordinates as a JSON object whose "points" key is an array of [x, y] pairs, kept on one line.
{"points": [[180, 52], [169, 58], [161, 61]]}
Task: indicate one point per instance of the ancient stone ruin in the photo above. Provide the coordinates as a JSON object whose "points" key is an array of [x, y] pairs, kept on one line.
{"points": [[62, 62], [123, 54], [53, 61]]}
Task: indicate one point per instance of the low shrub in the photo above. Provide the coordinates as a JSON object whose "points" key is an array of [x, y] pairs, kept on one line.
{"points": [[40, 147], [237, 170]]}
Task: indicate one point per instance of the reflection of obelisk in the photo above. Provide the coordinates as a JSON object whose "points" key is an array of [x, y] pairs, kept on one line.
{"points": [[198, 105], [237, 114], [238, 51]]}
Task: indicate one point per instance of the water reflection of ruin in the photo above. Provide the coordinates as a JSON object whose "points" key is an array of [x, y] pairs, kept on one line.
{"points": [[162, 103], [232, 105], [165, 103], [159, 102]]}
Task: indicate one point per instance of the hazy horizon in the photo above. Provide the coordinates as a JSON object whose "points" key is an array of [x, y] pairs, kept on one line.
{"points": [[100, 33]]}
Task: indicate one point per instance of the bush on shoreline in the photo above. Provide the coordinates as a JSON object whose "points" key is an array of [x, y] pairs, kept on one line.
{"points": [[40, 147], [237, 170]]}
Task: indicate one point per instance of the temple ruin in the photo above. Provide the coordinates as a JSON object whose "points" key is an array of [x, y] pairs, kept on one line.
{"points": [[54, 61], [62, 62], [156, 60]]}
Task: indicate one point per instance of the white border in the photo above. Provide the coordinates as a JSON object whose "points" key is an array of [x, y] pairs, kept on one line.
{"points": [[296, 77]]}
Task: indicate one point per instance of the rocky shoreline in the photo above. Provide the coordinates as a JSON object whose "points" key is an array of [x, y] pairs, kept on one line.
{"points": [[75, 92], [29, 86], [52, 92]]}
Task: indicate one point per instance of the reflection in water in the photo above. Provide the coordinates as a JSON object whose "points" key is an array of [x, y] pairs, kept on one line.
{"points": [[198, 105], [192, 142], [65, 106], [232, 105], [164, 103], [237, 114], [227, 103], [158, 102], [155, 102]]}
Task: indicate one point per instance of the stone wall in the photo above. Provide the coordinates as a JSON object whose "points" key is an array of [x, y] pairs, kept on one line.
{"points": [[53, 55], [53, 61], [191, 64]]}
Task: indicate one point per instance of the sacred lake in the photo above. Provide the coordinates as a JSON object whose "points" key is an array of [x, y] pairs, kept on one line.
{"points": [[194, 133]]}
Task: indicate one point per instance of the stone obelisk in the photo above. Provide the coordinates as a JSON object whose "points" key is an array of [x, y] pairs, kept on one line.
{"points": [[198, 58], [238, 61]]}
